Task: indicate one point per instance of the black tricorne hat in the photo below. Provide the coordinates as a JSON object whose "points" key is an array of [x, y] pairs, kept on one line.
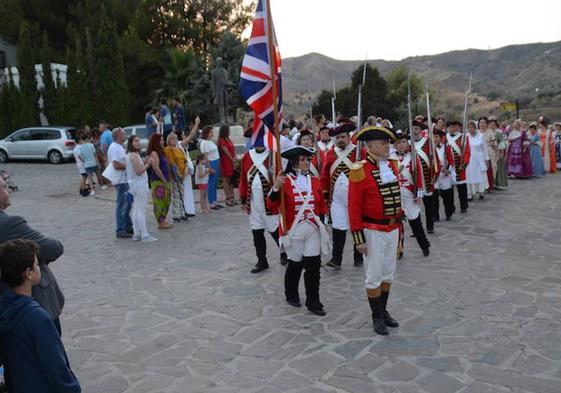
{"points": [[297, 151], [373, 133], [419, 124], [346, 127]]}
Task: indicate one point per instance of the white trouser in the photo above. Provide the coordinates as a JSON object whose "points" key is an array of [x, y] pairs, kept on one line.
{"points": [[339, 215], [477, 188], [380, 263], [138, 212], [412, 209], [304, 241], [188, 197]]}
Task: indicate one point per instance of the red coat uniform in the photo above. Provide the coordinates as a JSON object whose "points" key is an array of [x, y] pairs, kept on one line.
{"points": [[449, 158], [405, 164], [327, 179], [429, 171], [373, 205], [292, 202], [455, 143], [248, 172]]}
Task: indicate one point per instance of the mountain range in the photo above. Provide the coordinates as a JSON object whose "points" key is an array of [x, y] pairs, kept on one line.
{"points": [[523, 72]]}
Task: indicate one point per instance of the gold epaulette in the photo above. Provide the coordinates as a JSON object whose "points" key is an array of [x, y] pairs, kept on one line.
{"points": [[357, 171]]}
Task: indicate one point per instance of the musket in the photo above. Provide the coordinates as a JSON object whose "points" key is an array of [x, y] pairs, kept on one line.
{"points": [[314, 137], [412, 139], [464, 123], [432, 148], [333, 98], [359, 109]]}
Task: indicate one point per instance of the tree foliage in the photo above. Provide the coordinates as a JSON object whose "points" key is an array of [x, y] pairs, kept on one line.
{"points": [[123, 54], [384, 97]]}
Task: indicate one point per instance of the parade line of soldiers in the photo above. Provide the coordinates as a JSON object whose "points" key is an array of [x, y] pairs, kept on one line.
{"points": [[368, 190]]}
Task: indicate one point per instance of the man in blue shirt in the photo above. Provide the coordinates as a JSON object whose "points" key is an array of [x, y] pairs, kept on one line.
{"points": [[150, 121], [180, 124], [34, 358], [165, 118], [106, 139]]}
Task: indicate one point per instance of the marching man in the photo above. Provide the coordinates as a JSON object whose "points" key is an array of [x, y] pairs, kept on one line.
{"points": [[411, 186], [335, 185], [325, 141], [423, 152], [446, 174], [305, 237], [255, 184], [454, 140], [375, 216]]}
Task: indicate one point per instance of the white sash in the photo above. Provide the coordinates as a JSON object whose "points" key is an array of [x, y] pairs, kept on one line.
{"points": [[419, 147], [258, 160], [342, 156], [325, 241], [405, 171], [314, 170], [453, 145]]}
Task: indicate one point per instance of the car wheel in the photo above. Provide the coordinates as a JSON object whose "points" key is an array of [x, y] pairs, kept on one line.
{"points": [[55, 157], [3, 156]]}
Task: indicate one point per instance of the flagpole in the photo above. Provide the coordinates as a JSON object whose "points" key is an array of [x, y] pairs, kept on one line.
{"points": [[276, 130]]}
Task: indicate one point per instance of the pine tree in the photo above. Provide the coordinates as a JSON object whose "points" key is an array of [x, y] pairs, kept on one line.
{"points": [[27, 112]]}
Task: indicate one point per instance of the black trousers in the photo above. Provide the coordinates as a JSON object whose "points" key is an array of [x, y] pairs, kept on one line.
{"points": [[419, 233], [312, 266], [339, 240], [260, 245], [430, 209], [463, 195], [448, 200]]}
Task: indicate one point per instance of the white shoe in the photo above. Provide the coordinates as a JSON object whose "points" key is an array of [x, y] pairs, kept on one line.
{"points": [[104, 187], [136, 238], [148, 239], [92, 193]]}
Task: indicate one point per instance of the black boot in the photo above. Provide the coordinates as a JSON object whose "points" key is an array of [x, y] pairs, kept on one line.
{"points": [[291, 281], [419, 232], [377, 318], [260, 250], [385, 314], [339, 238], [283, 256], [311, 282], [358, 257]]}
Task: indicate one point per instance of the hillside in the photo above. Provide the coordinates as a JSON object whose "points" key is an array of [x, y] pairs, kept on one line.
{"points": [[508, 73]]}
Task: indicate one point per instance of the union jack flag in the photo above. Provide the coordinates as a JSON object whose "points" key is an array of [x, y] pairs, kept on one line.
{"points": [[256, 85]]}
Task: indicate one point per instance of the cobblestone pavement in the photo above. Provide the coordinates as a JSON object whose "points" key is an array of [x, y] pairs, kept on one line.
{"points": [[482, 314]]}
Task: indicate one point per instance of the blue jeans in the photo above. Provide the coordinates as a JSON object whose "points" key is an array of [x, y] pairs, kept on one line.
{"points": [[123, 208], [213, 181]]}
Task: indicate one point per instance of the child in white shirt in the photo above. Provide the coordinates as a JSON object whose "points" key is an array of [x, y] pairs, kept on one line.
{"points": [[201, 180]]}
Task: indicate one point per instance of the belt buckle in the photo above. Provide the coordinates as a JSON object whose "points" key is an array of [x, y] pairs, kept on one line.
{"points": [[392, 221]]}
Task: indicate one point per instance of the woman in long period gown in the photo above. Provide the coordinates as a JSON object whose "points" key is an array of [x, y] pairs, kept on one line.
{"points": [[535, 151], [477, 168], [492, 151], [519, 162], [548, 148], [557, 139], [501, 177]]}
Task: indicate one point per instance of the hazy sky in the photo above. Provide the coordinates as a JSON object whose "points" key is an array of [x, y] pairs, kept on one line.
{"points": [[394, 29]]}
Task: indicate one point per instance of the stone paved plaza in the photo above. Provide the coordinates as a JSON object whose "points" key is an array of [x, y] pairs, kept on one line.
{"points": [[482, 314]]}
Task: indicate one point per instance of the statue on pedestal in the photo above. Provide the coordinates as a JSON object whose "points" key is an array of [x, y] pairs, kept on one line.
{"points": [[220, 84]]}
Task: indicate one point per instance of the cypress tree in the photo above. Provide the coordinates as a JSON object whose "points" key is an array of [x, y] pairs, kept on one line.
{"points": [[110, 91], [78, 101], [48, 91], [27, 112]]}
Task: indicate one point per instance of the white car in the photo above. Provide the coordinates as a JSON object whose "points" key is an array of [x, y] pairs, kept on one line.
{"points": [[55, 144], [140, 131]]}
